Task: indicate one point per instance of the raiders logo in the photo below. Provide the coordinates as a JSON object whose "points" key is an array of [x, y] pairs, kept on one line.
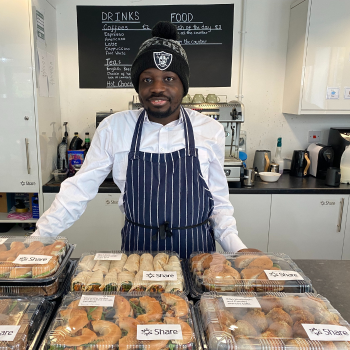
{"points": [[162, 59]]}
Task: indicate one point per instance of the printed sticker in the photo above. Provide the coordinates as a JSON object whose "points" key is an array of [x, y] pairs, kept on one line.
{"points": [[32, 259], [283, 275], [97, 300], [326, 332], [230, 301], [159, 276], [3, 240], [8, 333], [159, 332], [108, 256]]}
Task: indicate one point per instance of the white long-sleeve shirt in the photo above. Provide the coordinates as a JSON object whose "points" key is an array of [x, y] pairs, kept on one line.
{"points": [[109, 151]]}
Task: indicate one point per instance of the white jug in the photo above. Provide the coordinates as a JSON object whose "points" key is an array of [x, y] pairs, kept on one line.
{"points": [[345, 166]]}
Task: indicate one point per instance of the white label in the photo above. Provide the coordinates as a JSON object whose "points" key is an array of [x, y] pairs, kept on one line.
{"points": [[159, 276], [241, 302], [97, 300], [8, 333], [325, 332], [332, 93], [3, 240], [159, 332], [32, 259], [283, 275], [108, 256]]}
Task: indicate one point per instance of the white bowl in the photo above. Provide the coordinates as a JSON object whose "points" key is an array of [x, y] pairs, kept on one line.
{"points": [[269, 177]]}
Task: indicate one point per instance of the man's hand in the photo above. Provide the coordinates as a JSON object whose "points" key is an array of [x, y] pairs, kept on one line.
{"points": [[249, 250]]}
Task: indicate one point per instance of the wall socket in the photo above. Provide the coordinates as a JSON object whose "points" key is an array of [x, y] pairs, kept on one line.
{"points": [[314, 137]]}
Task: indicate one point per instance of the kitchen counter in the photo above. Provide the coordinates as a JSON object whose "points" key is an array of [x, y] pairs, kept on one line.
{"points": [[331, 279], [285, 185]]}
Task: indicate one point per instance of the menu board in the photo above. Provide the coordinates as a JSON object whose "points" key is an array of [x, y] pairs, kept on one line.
{"points": [[109, 38]]}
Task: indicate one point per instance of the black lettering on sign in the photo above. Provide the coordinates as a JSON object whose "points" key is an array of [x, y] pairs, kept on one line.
{"points": [[109, 38]]}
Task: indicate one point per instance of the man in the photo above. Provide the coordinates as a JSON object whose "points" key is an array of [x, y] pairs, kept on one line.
{"points": [[166, 160]]}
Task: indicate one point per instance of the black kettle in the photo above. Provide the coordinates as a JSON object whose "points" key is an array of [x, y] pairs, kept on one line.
{"points": [[300, 163]]}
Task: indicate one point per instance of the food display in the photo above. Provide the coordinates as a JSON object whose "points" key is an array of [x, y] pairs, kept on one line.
{"points": [[116, 326], [127, 273], [245, 272], [270, 321], [25, 320], [32, 258]]}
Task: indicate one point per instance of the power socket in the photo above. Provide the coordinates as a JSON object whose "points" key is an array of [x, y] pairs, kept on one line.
{"points": [[314, 136]]}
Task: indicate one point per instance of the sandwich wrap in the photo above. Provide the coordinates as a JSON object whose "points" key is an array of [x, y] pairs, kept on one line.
{"points": [[87, 263], [95, 282], [125, 281], [159, 261], [139, 284], [80, 281], [102, 265], [110, 283], [118, 265], [132, 263]]}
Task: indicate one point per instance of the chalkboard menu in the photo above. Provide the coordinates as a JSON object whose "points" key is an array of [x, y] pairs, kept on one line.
{"points": [[109, 38]]}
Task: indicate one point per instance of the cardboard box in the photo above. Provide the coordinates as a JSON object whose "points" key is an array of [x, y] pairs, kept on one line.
{"points": [[3, 203]]}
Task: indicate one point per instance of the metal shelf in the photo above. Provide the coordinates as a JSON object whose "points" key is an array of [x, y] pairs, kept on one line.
{"points": [[200, 105]]}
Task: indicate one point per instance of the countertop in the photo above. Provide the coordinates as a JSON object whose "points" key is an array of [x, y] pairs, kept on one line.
{"points": [[285, 185], [331, 279]]}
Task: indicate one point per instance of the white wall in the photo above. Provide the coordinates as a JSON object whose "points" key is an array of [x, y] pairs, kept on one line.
{"points": [[266, 38]]}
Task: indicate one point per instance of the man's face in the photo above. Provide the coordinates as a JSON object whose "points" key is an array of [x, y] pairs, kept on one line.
{"points": [[160, 93]]}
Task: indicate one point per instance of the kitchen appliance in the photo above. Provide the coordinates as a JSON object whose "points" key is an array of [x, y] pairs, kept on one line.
{"points": [[262, 160], [339, 139], [300, 163], [333, 177], [231, 115], [102, 115], [321, 158], [249, 177]]}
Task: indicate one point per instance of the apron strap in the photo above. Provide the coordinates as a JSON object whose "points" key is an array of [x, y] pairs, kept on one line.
{"points": [[189, 137]]}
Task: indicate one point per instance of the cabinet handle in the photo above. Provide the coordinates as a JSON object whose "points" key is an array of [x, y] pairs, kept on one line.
{"points": [[27, 154], [340, 214]]}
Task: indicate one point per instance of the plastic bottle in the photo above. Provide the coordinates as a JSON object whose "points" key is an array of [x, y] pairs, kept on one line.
{"points": [[345, 166], [278, 155], [87, 142], [62, 149], [76, 143]]}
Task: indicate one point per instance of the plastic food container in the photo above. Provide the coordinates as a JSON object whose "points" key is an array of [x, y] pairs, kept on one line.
{"points": [[245, 272], [60, 175], [117, 324], [164, 272], [32, 261], [29, 318], [51, 291], [269, 321]]}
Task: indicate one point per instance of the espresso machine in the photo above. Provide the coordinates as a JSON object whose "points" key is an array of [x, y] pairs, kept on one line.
{"points": [[231, 116]]}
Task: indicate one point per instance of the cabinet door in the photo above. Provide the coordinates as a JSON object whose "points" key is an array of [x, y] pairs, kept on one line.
{"points": [[346, 247], [252, 214], [306, 226], [18, 150], [99, 228]]}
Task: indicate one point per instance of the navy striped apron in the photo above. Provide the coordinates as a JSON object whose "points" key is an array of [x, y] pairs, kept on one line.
{"points": [[167, 202]]}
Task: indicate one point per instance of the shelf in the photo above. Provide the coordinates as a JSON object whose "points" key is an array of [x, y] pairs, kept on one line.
{"points": [[3, 218], [201, 106]]}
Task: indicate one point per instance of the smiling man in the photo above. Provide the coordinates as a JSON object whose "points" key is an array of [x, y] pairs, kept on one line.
{"points": [[166, 160]]}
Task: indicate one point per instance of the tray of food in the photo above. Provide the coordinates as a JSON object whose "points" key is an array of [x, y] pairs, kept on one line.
{"points": [[125, 321], [23, 322], [245, 272], [154, 272], [270, 321], [32, 260]]}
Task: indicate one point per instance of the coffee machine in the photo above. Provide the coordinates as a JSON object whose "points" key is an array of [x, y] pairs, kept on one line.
{"points": [[339, 139]]}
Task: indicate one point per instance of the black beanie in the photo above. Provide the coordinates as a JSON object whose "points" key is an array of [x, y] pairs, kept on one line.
{"points": [[163, 52]]}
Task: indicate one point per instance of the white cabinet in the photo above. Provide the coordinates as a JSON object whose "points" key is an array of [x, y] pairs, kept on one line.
{"points": [[346, 247], [308, 226], [29, 121], [318, 58], [99, 228], [252, 214]]}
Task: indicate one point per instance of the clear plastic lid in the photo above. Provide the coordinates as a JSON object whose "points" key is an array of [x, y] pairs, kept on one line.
{"points": [[139, 271], [245, 272], [26, 260], [21, 320], [270, 321], [126, 321]]}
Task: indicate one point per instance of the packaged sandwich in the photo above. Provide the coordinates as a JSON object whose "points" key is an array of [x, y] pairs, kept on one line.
{"points": [[270, 320], [118, 265], [245, 272], [115, 326]]}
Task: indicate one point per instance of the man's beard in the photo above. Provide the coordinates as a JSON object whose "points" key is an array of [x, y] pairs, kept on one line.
{"points": [[159, 114]]}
